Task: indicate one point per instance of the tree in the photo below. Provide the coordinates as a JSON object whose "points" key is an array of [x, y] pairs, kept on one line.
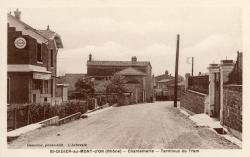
{"points": [[117, 85], [84, 87]]}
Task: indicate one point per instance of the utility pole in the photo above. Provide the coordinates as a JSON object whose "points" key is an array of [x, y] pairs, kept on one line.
{"points": [[176, 71], [192, 66]]}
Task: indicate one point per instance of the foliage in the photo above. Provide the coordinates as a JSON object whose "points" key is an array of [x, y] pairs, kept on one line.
{"points": [[84, 87], [117, 85], [235, 77], [199, 83]]}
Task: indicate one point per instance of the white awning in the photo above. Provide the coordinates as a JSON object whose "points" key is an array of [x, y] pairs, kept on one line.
{"points": [[26, 68]]}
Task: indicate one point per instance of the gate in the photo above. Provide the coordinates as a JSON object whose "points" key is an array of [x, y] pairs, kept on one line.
{"points": [[217, 95]]}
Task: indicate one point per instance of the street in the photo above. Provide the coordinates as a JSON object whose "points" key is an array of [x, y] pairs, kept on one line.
{"points": [[150, 125]]}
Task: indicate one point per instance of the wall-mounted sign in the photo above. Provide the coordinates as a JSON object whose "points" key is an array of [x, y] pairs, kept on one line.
{"points": [[20, 43], [41, 76]]}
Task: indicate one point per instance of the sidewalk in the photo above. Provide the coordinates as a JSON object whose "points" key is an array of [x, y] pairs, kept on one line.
{"points": [[18, 132], [203, 120]]}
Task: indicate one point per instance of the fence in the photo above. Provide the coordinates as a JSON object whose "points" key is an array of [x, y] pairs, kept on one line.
{"points": [[199, 83], [19, 115]]}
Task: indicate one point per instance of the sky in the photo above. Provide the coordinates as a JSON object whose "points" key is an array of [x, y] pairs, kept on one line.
{"points": [[209, 34]]}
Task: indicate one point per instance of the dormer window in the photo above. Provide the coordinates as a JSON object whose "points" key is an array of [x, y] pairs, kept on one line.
{"points": [[39, 53]]}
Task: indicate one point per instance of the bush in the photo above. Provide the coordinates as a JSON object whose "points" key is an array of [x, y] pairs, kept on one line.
{"points": [[41, 112], [91, 103]]}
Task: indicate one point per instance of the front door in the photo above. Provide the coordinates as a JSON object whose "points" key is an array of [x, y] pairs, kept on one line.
{"points": [[217, 95]]}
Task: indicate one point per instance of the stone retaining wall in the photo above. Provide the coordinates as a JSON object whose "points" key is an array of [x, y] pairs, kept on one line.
{"points": [[193, 101], [232, 107]]}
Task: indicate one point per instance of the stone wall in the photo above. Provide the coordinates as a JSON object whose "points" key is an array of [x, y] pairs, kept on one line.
{"points": [[232, 106], [193, 101]]}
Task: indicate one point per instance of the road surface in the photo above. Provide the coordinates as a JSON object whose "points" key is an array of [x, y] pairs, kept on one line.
{"points": [[151, 125]]}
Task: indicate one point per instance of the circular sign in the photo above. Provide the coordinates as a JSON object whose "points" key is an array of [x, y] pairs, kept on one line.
{"points": [[20, 43]]}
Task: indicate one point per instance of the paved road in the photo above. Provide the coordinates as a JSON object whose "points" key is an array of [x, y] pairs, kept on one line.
{"points": [[151, 125]]}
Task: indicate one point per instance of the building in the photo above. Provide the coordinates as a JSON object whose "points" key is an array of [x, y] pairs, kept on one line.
{"points": [[32, 62], [138, 74], [225, 94], [70, 79], [164, 86]]}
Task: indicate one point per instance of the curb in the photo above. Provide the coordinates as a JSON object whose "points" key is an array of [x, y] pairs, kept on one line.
{"points": [[228, 136], [85, 115], [14, 134]]}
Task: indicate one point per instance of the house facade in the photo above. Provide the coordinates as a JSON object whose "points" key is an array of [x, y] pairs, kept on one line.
{"points": [[70, 79], [137, 73], [32, 62], [164, 86]]}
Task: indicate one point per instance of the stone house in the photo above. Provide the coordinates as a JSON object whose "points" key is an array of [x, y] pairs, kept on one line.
{"points": [[32, 62], [138, 74], [164, 86]]}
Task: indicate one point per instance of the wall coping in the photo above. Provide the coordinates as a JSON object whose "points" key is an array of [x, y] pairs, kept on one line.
{"points": [[202, 94], [232, 85], [46, 120]]}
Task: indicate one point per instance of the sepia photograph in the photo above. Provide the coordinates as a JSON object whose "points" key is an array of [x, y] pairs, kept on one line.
{"points": [[133, 79]]}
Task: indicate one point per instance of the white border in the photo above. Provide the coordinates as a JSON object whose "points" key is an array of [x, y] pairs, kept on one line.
{"points": [[119, 3]]}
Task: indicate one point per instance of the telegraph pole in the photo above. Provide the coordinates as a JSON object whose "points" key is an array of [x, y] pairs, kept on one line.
{"points": [[192, 66], [176, 71]]}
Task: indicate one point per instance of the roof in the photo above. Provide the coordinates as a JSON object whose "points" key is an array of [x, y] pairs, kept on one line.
{"points": [[179, 84], [163, 77], [70, 79], [119, 63], [130, 71], [165, 80], [26, 29], [52, 36], [42, 36]]}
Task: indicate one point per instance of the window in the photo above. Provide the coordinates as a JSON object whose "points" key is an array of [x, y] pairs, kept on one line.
{"points": [[37, 85], [39, 53], [52, 58], [51, 87], [8, 91], [45, 84]]}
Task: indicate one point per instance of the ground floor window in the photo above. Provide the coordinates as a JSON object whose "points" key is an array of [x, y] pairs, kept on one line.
{"points": [[51, 87], [8, 90], [37, 85], [46, 88]]}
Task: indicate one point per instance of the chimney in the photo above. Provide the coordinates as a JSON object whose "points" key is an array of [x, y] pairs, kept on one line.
{"points": [[90, 57], [166, 72], [17, 14], [134, 59]]}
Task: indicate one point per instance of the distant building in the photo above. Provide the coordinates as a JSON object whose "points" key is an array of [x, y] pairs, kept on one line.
{"points": [[164, 86], [138, 74], [70, 79], [32, 62]]}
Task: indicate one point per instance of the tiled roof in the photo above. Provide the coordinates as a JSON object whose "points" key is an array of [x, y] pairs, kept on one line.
{"points": [[131, 71], [119, 63], [52, 36], [48, 33], [42, 36], [26, 29], [163, 77]]}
